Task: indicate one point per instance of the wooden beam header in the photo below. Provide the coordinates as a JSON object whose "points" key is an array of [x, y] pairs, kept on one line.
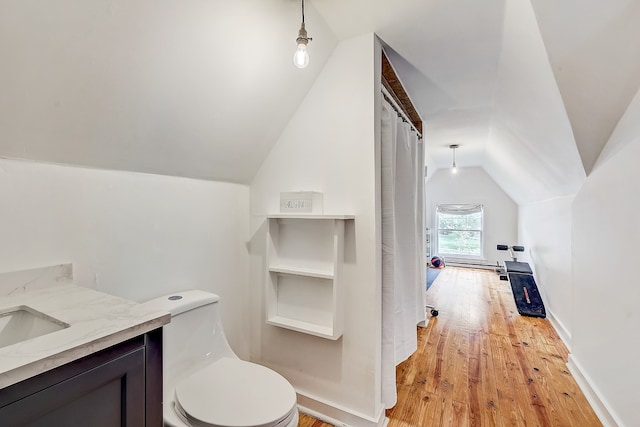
{"points": [[393, 84]]}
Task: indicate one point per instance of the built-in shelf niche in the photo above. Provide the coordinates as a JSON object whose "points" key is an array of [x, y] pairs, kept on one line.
{"points": [[304, 268]]}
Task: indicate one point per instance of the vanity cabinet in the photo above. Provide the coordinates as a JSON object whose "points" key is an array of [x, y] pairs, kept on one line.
{"points": [[118, 386], [304, 273]]}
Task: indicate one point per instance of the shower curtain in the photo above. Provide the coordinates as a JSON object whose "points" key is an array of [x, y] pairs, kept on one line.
{"points": [[403, 259]]}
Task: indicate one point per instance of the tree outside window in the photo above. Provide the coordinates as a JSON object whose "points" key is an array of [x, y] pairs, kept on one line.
{"points": [[460, 230]]}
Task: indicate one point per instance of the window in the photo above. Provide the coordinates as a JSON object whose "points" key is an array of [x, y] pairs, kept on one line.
{"points": [[459, 230]]}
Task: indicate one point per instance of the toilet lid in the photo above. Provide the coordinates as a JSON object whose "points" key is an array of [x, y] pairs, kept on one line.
{"points": [[235, 393]]}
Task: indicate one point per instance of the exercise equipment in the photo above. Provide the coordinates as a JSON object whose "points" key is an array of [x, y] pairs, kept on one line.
{"points": [[514, 258], [512, 250], [437, 262], [523, 285], [432, 309], [526, 295]]}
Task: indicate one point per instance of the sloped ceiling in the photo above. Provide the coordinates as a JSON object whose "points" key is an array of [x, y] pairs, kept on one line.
{"points": [[191, 88], [530, 89], [593, 48]]}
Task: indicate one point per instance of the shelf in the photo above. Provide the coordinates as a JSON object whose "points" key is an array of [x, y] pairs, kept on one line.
{"points": [[309, 216], [307, 272], [306, 327], [304, 263]]}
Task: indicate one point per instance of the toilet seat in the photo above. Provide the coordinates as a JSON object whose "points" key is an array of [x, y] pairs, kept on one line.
{"points": [[234, 393]]}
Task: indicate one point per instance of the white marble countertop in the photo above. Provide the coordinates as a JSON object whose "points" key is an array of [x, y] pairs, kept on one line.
{"points": [[97, 321]]}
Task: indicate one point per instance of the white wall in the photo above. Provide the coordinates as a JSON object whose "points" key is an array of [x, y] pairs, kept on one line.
{"points": [[544, 228], [626, 132], [473, 185], [606, 291], [132, 235], [591, 45], [530, 149], [328, 146]]}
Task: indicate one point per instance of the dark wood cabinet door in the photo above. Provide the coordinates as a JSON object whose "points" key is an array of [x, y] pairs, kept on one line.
{"points": [[108, 395]]}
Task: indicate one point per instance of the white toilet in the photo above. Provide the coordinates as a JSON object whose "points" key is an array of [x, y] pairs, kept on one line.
{"points": [[205, 383]]}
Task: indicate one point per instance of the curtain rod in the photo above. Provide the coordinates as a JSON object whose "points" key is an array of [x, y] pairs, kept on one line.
{"points": [[389, 98]]}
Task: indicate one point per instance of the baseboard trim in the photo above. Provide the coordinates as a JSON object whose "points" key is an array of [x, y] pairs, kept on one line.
{"points": [[470, 265], [599, 404], [560, 329], [331, 413]]}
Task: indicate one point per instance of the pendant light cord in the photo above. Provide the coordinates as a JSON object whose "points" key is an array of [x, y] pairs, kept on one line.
{"points": [[303, 11]]}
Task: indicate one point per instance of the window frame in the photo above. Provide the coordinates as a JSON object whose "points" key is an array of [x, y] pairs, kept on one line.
{"points": [[459, 209]]}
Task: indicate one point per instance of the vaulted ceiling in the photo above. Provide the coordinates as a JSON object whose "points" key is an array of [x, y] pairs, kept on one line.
{"points": [[530, 89], [195, 88]]}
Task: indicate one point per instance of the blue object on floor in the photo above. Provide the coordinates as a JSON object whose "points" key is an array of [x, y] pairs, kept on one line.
{"points": [[432, 273]]}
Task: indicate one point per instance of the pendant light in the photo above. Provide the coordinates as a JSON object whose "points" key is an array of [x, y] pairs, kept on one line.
{"points": [[301, 56], [454, 168]]}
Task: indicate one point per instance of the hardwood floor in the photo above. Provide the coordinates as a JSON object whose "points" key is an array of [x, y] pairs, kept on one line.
{"points": [[479, 363], [307, 421]]}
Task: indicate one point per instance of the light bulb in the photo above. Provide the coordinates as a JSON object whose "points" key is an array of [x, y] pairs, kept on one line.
{"points": [[454, 169], [301, 56]]}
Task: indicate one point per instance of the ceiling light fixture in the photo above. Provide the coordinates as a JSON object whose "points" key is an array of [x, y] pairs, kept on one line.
{"points": [[301, 57], [454, 168]]}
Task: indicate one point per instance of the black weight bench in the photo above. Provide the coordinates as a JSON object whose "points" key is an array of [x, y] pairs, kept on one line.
{"points": [[523, 285], [517, 267]]}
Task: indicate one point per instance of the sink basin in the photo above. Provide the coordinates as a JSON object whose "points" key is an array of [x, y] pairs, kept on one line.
{"points": [[22, 323]]}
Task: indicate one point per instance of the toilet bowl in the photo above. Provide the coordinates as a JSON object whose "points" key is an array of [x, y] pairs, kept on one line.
{"points": [[205, 383]]}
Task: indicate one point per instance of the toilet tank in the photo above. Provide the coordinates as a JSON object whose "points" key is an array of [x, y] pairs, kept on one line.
{"points": [[195, 335]]}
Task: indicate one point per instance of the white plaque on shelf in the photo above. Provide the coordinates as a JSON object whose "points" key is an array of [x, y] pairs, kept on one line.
{"points": [[301, 202]]}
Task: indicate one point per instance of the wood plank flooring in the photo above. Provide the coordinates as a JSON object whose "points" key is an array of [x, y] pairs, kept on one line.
{"points": [[479, 363]]}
